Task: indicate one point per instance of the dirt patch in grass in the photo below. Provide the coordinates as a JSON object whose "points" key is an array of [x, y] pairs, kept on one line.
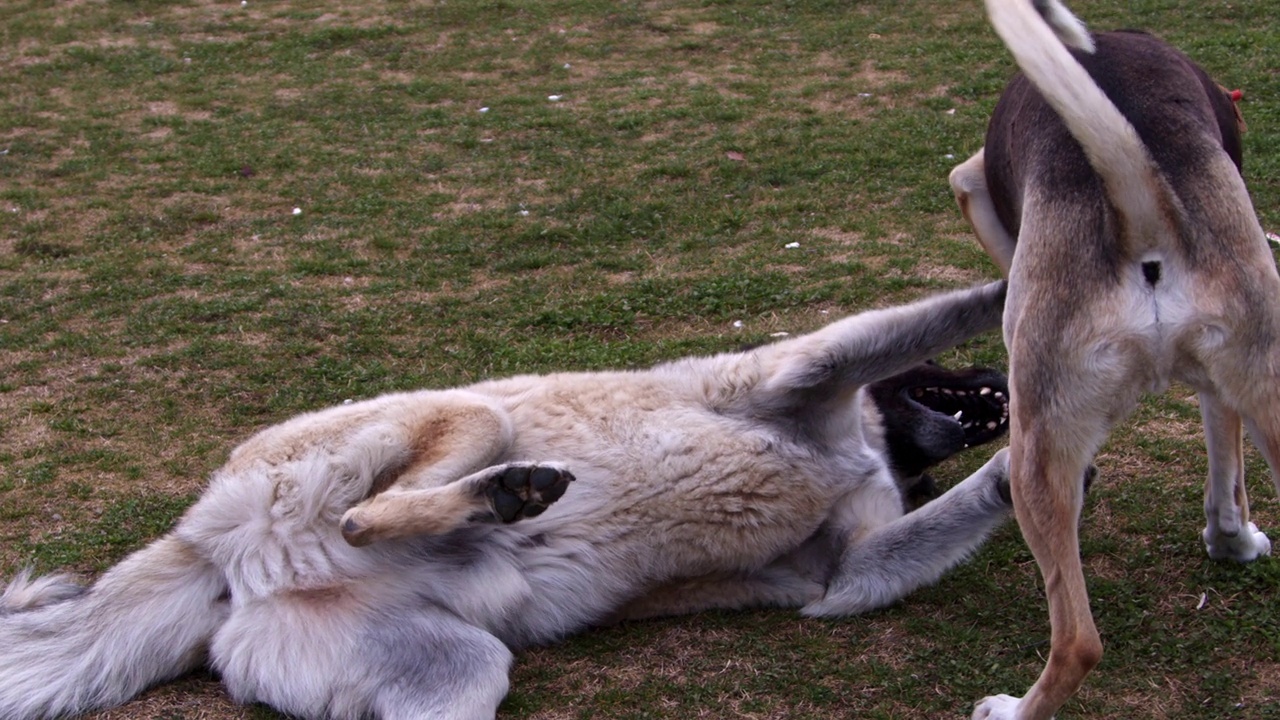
{"points": [[196, 697]]}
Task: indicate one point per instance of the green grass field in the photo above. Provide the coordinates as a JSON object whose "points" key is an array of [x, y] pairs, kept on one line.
{"points": [[216, 215]]}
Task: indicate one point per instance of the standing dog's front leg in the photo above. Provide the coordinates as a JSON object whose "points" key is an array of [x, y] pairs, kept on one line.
{"points": [[969, 183]]}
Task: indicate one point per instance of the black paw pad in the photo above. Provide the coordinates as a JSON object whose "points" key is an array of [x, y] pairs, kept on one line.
{"points": [[525, 491], [549, 483], [507, 504]]}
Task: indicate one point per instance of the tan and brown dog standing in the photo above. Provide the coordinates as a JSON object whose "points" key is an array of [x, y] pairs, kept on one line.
{"points": [[1138, 261]]}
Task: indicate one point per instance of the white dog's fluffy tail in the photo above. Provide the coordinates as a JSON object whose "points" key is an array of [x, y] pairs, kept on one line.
{"points": [[65, 649], [1037, 33]]}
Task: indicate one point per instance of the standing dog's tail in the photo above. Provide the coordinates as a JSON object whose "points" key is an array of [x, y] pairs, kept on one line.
{"points": [[65, 649], [1037, 33]]}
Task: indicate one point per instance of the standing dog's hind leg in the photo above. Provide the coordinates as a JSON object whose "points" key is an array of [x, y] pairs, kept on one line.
{"points": [[1047, 497], [969, 183], [1228, 532]]}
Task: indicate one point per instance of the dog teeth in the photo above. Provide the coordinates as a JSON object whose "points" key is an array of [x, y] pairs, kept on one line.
{"points": [[958, 414], [999, 395], [992, 425], [985, 391]]}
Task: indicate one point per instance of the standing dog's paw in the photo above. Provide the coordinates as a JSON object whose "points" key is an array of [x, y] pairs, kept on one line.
{"points": [[1246, 546], [997, 707], [521, 491]]}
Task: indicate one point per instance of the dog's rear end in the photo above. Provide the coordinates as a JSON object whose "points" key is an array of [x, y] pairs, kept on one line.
{"points": [[1115, 204]]}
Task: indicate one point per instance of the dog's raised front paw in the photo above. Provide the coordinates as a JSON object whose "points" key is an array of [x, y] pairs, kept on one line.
{"points": [[1246, 546], [523, 491], [997, 707]]}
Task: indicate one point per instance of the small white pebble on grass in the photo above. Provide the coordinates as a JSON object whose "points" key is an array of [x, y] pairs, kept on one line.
{"points": [[780, 334], [791, 245], [737, 323], [554, 98], [297, 211], [952, 111], [949, 156], [484, 109], [1270, 236]]}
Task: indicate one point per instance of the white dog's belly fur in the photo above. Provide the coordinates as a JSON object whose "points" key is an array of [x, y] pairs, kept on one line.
{"points": [[270, 518]]}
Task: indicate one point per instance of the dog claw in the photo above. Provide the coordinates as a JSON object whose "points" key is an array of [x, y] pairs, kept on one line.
{"points": [[355, 533]]}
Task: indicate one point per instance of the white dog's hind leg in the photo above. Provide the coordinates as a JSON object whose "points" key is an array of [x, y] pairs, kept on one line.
{"points": [[1228, 534], [464, 676], [505, 493], [883, 565], [374, 650]]}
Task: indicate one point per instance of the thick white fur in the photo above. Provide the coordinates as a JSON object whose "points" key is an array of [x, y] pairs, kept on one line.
{"points": [[735, 480]]}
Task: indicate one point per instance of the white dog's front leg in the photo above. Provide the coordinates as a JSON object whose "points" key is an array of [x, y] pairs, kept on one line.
{"points": [[882, 564], [998, 707]]}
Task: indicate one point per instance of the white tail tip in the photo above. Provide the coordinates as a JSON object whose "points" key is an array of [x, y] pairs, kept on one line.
{"points": [[1070, 29]]}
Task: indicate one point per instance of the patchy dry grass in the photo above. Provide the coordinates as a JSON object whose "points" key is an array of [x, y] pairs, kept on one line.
{"points": [[160, 299]]}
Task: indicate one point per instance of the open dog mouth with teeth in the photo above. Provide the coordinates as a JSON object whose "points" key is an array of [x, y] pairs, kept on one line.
{"points": [[931, 413], [982, 413]]}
